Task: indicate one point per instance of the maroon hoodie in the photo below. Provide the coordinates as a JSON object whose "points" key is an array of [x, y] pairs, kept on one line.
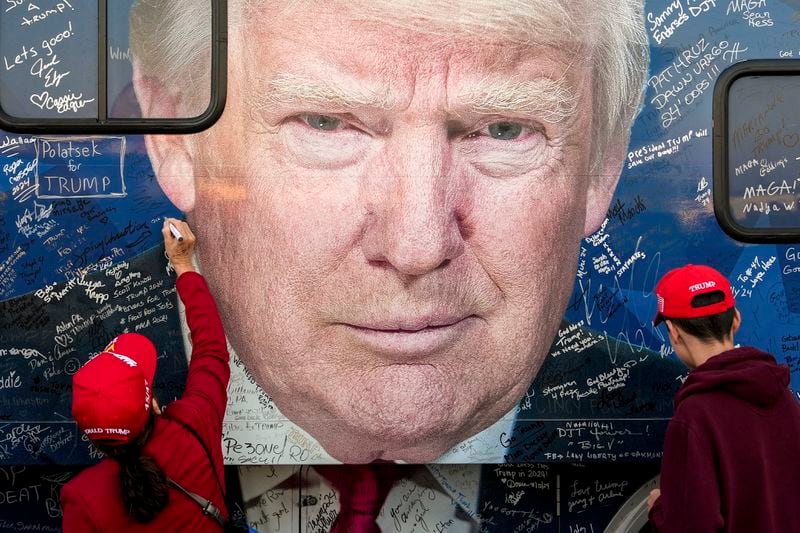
{"points": [[732, 451]]}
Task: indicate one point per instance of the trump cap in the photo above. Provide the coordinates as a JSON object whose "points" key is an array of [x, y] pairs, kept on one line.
{"points": [[112, 393], [680, 286]]}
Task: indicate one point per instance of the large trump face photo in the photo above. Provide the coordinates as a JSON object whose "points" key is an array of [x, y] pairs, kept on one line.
{"points": [[396, 194]]}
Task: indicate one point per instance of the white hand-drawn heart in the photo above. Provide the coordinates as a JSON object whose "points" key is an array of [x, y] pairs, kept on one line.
{"points": [[63, 340], [40, 100]]}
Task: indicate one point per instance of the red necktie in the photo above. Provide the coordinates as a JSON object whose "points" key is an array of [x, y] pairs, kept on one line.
{"points": [[362, 490]]}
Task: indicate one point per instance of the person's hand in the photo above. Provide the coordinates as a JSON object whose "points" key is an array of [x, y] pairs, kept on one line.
{"points": [[179, 251], [651, 499]]}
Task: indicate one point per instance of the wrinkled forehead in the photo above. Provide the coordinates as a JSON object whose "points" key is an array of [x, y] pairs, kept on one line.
{"points": [[521, 22], [392, 44]]}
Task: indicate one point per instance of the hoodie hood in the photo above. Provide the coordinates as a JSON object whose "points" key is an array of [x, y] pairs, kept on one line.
{"points": [[746, 373]]}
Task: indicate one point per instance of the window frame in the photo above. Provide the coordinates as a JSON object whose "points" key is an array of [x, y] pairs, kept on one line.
{"points": [[722, 208], [104, 124]]}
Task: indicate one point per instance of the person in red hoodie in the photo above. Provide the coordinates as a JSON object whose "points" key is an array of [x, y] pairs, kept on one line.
{"points": [[732, 451], [163, 469]]}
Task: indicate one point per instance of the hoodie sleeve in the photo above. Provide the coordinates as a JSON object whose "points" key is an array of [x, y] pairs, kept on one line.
{"points": [[690, 492], [209, 371]]}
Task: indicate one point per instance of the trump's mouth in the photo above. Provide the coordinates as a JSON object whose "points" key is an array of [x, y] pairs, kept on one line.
{"points": [[411, 337]]}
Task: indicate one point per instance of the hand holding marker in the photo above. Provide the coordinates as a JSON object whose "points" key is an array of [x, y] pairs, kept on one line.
{"points": [[178, 244]]}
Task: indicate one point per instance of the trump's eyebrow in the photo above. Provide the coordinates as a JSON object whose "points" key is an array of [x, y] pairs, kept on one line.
{"points": [[546, 98], [284, 90]]}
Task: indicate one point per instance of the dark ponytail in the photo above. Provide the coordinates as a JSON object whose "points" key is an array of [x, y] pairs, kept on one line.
{"points": [[144, 484]]}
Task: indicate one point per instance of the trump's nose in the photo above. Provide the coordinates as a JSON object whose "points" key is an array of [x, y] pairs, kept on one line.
{"points": [[414, 223]]}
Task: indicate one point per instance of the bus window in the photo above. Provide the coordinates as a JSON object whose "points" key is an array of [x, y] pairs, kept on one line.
{"points": [[67, 67], [757, 151]]}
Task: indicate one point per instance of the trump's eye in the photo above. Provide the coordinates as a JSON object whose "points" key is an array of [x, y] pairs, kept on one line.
{"points": [[319, 140], [504, 148], [322, 122], [505, 131]]}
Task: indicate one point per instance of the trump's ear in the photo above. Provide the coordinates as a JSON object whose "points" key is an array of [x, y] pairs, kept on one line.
{"points": [[602, 187], [174, 169], [169, 154]]}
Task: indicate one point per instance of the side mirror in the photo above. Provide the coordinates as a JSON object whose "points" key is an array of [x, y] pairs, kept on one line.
{"points": [[74, 66], [757, 151]]}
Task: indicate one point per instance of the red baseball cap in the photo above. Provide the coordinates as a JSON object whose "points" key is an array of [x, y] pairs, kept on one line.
{"points": [[679, 286], [112, 393]]}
